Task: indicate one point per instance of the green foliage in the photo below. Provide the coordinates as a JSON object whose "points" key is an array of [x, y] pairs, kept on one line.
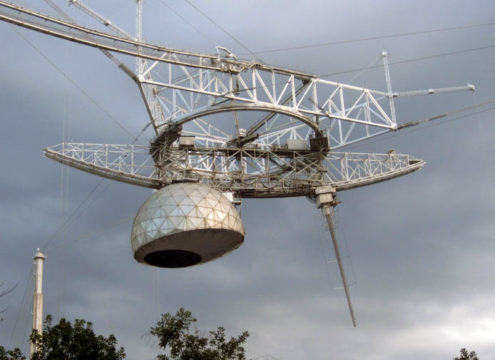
{"points": [[176, 335], [181, 343], [11, 354], [467, 356], [74, 342]]}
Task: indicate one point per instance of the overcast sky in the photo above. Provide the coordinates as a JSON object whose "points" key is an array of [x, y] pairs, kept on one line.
{"points": [[419, 250]]}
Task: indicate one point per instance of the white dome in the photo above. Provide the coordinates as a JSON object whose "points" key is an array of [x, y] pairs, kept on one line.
{"points": [[185, 224]]}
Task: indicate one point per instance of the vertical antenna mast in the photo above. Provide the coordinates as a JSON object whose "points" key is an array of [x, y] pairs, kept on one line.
{"points": [[389, 86], [39, 258], [139, 36]]}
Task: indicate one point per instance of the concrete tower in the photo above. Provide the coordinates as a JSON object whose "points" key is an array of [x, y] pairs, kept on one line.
{"points": [[39, 258]]}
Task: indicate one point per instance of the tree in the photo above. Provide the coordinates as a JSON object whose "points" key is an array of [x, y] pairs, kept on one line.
{"points": [[73, 342], [181, 343], [467, 356], [11, 354]]}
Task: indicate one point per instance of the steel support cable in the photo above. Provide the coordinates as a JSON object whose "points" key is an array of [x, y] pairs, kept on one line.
{"points": [[188, 23], [223, 30], [371, 65], [378, 37], [58, 10], [129, 42], [443, 122], [64, 181], [441, 116], [77, 86], [88, 196], [93, 235], [433, 118], [108, 54], [21, 303], [73, 214], [462, 51], [26, 325], [8, 291]]}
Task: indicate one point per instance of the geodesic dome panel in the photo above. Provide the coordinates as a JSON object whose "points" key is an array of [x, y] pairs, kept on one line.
{"points": [[185, 224]]}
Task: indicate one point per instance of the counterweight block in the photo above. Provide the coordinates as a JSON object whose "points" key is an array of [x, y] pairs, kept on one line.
{"points": [[185, 224]]}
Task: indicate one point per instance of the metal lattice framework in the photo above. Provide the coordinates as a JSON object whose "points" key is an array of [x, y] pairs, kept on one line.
{"points": [[181, 86], [242, 127], [255, 129], [249, 172]]}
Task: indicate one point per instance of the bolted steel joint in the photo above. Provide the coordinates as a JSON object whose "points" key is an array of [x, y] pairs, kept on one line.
{"points": [[325, 196]]}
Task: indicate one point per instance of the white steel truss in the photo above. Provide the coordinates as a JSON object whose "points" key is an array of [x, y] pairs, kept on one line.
{"points": [[250, 172], [206, 98], [244, 127], [179, 86], [188, 85]]}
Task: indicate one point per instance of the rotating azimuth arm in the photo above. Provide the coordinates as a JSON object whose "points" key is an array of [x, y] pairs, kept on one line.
{"points": [[182, 83], [179, 84], [325, 199], [291, 173]]}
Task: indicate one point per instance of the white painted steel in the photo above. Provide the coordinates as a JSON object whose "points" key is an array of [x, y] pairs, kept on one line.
{"points": [[173, 75], [178, 84], [267, 173], [282, 149]]}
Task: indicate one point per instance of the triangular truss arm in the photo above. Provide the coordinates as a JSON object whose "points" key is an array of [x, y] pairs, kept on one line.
{"points": [[283, 152], [178, 83]]}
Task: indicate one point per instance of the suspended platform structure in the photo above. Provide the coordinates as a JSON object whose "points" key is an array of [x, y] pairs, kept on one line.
{"points": [[226, 128]]}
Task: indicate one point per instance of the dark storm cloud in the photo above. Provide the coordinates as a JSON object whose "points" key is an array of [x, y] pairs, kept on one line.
{"points": [[417, 249]]}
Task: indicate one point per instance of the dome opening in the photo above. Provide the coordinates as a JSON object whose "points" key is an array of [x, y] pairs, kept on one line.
{"points": [[172, 258]]}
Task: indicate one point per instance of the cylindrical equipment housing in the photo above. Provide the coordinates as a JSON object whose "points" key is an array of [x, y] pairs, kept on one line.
{"points": [[185, 224]]}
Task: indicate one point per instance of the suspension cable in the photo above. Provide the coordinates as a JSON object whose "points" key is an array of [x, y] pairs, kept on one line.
{"points": [[74, 83], [21, 306], [378, 37], [462, 51], [223, 30]]}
